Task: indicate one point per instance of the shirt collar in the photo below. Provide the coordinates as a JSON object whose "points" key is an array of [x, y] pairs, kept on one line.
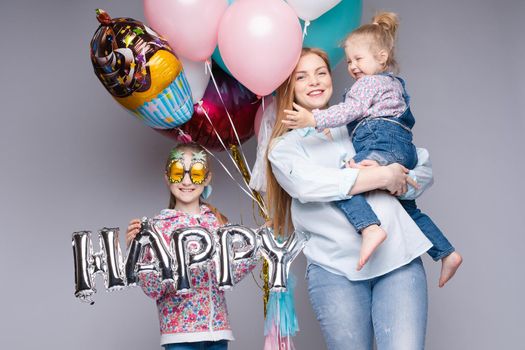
{"points": [[306, 131]]}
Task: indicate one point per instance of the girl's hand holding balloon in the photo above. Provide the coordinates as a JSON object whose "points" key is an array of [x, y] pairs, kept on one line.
{"points": [[132, 231], [299, 118]]}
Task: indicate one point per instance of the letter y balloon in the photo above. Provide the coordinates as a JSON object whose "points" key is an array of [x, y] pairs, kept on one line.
{"points": [[280, 255]]}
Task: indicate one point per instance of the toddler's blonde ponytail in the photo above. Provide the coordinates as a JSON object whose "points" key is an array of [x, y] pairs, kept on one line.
{"points": [[388, 21], [382, 31]]}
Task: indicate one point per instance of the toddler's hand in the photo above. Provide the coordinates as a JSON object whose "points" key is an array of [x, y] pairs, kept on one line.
{"points": [[298, 118], [133, 230], [365, 163], [412, 182]]}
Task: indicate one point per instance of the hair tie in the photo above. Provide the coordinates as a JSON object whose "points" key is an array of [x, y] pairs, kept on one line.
{"points": [[206, 192]]}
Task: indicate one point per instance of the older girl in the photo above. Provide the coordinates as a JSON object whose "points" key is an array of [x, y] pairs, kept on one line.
{"points": [[198, 319]]}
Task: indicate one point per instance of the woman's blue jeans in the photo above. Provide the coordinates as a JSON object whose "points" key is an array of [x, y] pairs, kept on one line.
{"points": [[200, 345], [391, 308]]}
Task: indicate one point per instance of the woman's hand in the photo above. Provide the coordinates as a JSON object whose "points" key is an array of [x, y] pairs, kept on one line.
{"points": [[397, 179], [392, 178], [298, 118], [133, 230]]}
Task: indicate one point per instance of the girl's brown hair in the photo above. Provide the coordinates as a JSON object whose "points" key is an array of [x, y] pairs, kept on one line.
{"points": [[193, 147], [279, 201], [382, 31]]}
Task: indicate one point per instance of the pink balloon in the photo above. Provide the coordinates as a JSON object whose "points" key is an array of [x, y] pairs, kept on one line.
{"points": [[260, 42], [189, 26]]}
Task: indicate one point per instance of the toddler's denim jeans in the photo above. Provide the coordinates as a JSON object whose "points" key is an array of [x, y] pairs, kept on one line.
{"points": [[389, 140]]}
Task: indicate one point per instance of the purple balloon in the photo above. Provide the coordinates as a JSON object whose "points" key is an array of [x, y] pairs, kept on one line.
{"points": [[240, 102]]}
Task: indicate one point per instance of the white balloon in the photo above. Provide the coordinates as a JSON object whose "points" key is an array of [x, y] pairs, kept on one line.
{"points": [[309, 10], [197, 76]]}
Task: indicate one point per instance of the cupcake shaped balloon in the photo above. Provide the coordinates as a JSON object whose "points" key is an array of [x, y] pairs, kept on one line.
{"points": [[141, 72]]}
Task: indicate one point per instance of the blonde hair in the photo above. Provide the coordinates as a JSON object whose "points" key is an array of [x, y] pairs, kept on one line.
{"points": [[279, 201], [382, 32], [193, 147]]}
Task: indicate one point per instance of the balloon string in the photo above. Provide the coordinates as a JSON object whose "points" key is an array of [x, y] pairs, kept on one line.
{"points": [[228, 172], [265, 269], [266, 285], [228, 114], [255, 218], [254, 198], [235, 157], [206, 67], [305, 30], [241, 161], [223, 145], [244, 172]]}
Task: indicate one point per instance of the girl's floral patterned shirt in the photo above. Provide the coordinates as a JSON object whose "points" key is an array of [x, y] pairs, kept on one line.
{"points": [[201, 314]]}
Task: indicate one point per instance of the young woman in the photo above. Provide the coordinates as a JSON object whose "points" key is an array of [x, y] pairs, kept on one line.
{"points": [[387, 298]]}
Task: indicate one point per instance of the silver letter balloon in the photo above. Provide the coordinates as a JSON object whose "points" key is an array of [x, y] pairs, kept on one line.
{"points": [[189, 246]]}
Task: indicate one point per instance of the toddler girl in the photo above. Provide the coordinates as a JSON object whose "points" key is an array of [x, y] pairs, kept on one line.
{"points": [[197, 319], [377, 114]]}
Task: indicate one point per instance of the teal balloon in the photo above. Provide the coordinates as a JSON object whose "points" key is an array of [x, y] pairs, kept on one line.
{"points": [[217, 59], [216, 55], [328, 31]]}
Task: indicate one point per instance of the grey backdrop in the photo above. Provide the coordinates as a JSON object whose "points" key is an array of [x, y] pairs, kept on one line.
{"points": [[72, 159]]}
